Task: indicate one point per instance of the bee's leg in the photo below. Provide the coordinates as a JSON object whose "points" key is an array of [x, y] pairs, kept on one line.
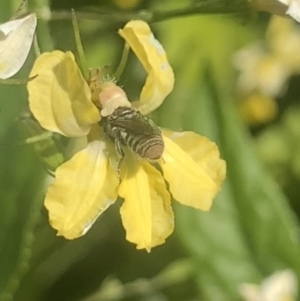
{"points": [[120, 153]]}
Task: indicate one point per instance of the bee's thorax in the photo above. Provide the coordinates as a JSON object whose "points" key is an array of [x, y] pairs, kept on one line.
{"points": [[130, 128]]}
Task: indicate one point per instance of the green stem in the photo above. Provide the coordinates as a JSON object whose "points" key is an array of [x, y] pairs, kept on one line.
{"points": [[35, 139], [15, 81], [202, 7], [79, 46], [123, 62], [43, 30], [36, 47]]}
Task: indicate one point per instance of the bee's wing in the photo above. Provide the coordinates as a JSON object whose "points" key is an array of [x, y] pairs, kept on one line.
{"points": [[136, 125]]}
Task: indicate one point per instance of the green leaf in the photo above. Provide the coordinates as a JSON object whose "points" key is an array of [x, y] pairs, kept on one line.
{"points": [[20, 179], [250, 231]]}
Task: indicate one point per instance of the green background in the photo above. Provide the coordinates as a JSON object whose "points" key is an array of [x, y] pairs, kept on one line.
{"points": [[252, 228]]}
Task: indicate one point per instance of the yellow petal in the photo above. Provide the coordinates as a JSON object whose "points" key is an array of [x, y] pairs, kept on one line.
{"points": [[15, 42], [146, 213], [203, 151], [59, 97], [193, 168], [84, 187], [151, 54]]}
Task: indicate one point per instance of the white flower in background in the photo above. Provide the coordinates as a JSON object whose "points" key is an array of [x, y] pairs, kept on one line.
{"points": [[279, 7], [283, 40], [265, 68], [293, 8], [260, 70], [15, 42], [280, 286]]}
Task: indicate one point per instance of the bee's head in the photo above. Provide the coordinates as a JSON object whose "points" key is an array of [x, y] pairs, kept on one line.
{"points": [[111, 97]]}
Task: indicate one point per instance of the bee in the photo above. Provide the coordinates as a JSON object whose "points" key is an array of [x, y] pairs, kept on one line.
{"points": [[126, 126]]}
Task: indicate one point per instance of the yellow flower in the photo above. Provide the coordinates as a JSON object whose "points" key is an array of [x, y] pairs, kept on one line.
{"points": [[257, 109], [87, 184]]}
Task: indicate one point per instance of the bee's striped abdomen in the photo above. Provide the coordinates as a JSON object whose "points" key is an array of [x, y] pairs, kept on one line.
{"points": [[148, 147]]}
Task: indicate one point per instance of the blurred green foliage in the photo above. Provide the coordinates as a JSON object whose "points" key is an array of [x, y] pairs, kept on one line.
{"points": [[251, 230]]}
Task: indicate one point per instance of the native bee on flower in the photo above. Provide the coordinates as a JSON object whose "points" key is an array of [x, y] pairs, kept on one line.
{"points": [[126, 126]]}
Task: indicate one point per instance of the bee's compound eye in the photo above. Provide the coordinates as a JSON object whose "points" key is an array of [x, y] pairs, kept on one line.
{"points": [[154, 151]]}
